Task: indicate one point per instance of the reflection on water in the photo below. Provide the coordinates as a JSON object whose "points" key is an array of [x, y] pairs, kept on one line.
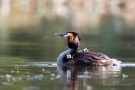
{"points": [[44, 76], [93, 78], [79, 78]]}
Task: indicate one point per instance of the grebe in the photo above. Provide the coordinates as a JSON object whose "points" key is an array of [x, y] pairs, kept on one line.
{"points": [[74, 56]]}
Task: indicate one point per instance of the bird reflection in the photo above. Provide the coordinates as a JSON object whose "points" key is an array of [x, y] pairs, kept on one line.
{"points": [[84, 78]]}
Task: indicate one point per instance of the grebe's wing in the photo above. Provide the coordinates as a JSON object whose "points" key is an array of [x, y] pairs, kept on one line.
{"points": [[91, 56]]}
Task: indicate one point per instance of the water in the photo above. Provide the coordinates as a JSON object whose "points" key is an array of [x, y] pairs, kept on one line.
{"points": [[44, 76], [32, 65]]}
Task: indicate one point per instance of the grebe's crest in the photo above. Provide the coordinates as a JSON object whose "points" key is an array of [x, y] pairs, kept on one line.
{"points": [[72, 37]]}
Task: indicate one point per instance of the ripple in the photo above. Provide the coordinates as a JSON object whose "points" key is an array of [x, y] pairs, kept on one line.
{"points": [[44, 64], [50, 64], [128, 64], [29, 64]]}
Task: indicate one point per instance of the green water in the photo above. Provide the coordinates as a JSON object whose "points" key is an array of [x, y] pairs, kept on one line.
{"points": [[32, 65]]}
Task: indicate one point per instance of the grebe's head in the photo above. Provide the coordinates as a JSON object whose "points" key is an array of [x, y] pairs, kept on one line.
{"points": [[72, 38]]}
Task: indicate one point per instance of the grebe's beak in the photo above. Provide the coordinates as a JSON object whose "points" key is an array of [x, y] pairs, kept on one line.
{"points": [[61, 34]]}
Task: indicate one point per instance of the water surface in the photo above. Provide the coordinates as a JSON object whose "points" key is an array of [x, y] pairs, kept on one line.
{"points": [[45, 76], [31, 65]]}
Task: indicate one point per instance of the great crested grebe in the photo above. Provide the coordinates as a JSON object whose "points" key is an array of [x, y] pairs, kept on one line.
{"points": [[74, 56]]}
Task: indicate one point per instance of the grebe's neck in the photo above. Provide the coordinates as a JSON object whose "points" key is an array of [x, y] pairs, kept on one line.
{"points": [[72, 51], [73, 47], [63, 57]]}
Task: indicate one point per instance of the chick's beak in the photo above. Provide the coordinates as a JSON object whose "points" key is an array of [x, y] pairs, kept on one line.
{"points": [[61, 34]]}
